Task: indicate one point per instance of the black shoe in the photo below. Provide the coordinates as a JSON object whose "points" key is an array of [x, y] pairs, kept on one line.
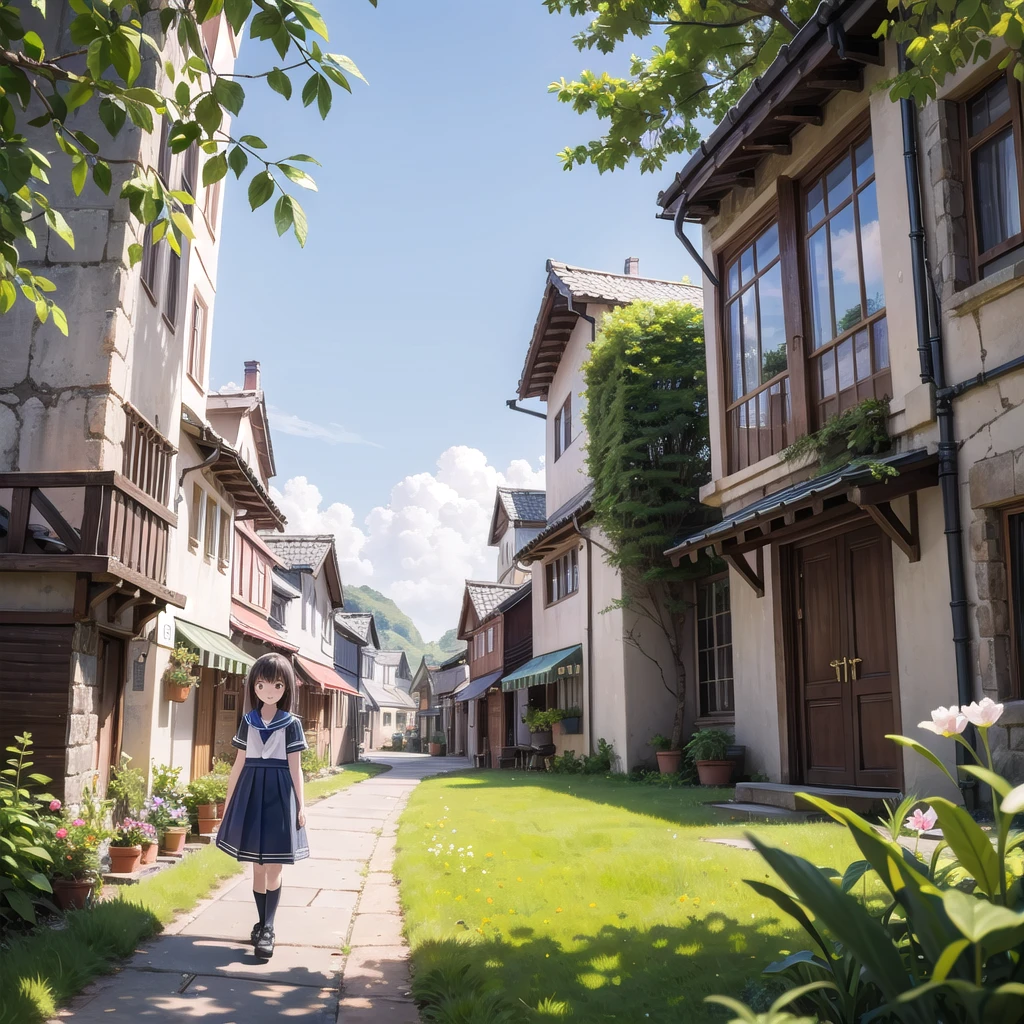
{"points": [[265, 944], [255, 933]]}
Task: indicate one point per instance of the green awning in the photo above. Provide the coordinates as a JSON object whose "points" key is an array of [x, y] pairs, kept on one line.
{"points": [[215, 650], [548, 668]]}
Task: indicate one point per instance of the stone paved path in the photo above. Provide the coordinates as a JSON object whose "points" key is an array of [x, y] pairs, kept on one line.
{"points": [[344, 896]]}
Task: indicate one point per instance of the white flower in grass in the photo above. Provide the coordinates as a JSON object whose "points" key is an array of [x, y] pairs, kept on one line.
{"points": [[945, 722], [982, 713]]}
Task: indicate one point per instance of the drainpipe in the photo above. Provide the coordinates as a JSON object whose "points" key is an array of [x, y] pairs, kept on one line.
{"points": [[208, 461], [511, 403], [590, 635], [677, 227], [929, 346]]}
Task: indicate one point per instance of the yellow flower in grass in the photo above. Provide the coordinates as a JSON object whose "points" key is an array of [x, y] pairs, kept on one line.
{"points": [[683, 898], [511, 910], [486, 920], [518, 879], [489, 899], [558, 910], [488, 854], [593, 905]]}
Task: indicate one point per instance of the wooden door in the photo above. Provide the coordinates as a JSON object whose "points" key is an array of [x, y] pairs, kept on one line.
{"points": [[205, 726], [495, 724], [848, 691], [110, 671]]}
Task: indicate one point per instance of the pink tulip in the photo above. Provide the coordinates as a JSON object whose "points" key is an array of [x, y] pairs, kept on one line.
{"points": [[983, 713], [61, 833], [945, 722], [54, 805], [922, 821]]}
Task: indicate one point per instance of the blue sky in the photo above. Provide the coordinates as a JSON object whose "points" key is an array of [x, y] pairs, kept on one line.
{"points": [[405, 319]]}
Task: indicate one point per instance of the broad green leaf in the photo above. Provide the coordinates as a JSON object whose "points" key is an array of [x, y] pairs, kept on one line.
{"points": [[919, 748], [1013, 802], [854, 873], [993, 779], [337, 77], [215, 168], [183, 224], [253, 142], [134, 253], [283, 214], [238, 160], [79, 93], [112, 114], [79, 172], [61, 322], [33, 45], [56, 221], [209, 114], [299, 177], [309, 90], [228, 94], [346, 64], [309, 16], [101, 176], [280, 83], [42, 314], [125, 55], [995, 928], [21, 905], [299, 222], [304, 158], [261, 188], [969, 843], [323, 96], [790, 906], [237, 11], [949, 957]]}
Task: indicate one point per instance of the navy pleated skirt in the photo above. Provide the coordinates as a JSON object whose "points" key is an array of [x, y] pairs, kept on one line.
{"points": [[260, 821]]}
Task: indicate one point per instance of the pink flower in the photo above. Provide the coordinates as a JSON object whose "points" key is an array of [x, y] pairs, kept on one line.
{"points": [[922, 821], [54, 805], [982, 714], [78, 821], [61, 833], [945, 722]]}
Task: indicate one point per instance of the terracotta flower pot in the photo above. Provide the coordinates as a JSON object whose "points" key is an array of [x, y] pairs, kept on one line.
{"points": [[206, 811], [669, 761], [208, 825], [173, 841], [124, 860], [220, 808], [149, 852], [714, 773], [435, 749], [71, 893], [176, 693]]}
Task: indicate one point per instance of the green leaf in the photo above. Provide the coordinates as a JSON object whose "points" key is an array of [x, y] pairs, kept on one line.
{"points": [[253, 142], [229, 95], [79, 172], [112, 114], [79, 93], [237, 11], [309, 16], [309, 90], [261, 188], [61, 322], [1013, 802], [346, 64], [283, 214], [125, 55], [323, 96], [854, 873], [57, 222], [969, 843], [280, 83], [238, 160], [949, 957], [42, 310], [98, 57], [209, 114], [336, 76], [21, 905], [303, 158], [215, 168], [299, 223], [134, 253], [183, 224], [299, 177], [33, 45], [993, 927], [101, 176], [906, 741]]}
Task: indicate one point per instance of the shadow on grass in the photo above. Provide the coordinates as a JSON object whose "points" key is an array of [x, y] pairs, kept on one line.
{"points": [[623, 974]]}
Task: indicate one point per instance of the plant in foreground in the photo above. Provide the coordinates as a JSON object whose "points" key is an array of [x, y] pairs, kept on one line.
{"points": [[948, 946]]}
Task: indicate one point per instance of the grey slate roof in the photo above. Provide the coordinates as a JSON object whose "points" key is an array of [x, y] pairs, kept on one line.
{"points": [[575, 506], [600, 286], [388, 696], [459, 658], [298, 551], [523, 591], [392, 659], [487, 596], [522, 506], [359, 624]]}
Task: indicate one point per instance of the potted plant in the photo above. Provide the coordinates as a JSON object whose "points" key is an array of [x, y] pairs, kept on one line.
{"points": [[178, 679], [170, 819], [571, 720], [436, 742], [708, 747], [540, 724], [204, 795], [74, 849], [668, 759], [125, 849], [150, 843]]}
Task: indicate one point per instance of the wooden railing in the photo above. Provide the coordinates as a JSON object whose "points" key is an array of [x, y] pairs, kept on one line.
{"points": [[65, 521], [147, 457]]}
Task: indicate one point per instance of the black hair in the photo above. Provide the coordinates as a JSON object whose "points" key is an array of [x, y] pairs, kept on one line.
{"points": [[272, 668]]}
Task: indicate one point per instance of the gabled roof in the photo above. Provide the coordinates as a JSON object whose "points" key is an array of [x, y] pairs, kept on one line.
{"points": [[577, 508], [479, 600], [253, 405], [521, 594], [424, 676], [517, 506], [309, 553], [396, 660], [361, 627], [459, 658], [566, 294], [387, 696]]}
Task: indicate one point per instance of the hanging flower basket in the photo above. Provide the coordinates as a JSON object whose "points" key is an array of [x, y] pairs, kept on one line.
{"points": [[179, 678]]}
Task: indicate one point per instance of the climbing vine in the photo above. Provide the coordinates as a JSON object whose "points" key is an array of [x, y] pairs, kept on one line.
{"points": [[850, 438]]}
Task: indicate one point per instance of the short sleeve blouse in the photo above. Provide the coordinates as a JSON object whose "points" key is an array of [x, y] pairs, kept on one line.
{"points": [[294, 736]]}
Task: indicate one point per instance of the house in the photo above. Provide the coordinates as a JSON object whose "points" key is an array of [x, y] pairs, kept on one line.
{"points": [[519, 515], [428, 715], [391, 668], [858, 605], [589, 651], [449, 678], [92, 448], [491, 716], [354, 632], [327, 703]]}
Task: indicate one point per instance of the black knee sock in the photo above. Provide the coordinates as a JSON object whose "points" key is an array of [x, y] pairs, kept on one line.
{"points": [[261, 905], [273, 896]]}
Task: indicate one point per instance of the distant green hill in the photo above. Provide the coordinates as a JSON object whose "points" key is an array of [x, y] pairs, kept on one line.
{"points": [[396, 630]]}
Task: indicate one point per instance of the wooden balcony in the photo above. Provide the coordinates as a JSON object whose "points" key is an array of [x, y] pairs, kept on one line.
{"points": [[91, 522]]}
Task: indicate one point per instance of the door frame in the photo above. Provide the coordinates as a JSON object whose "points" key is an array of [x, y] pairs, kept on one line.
{"points": [[789, 698]]}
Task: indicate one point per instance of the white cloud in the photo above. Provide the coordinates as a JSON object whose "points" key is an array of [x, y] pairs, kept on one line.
{"points": [[332, 433], [430, 537]]}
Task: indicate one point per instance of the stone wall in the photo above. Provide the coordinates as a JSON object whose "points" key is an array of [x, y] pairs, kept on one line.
{"points": [[83, 721]]}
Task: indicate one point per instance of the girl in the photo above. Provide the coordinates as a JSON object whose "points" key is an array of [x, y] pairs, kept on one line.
{"points": [[264, 817]]}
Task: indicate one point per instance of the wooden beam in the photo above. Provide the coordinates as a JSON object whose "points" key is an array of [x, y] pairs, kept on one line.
{"points": [[17, 524], [104, 593], [56, 521], [37, 618], [144, 614], [81, 606], [895, 487], [862, 50], [800, 527], [779, 148], [906, 539], [803, 114], [754, 577], [849, 79], [744, 179]]}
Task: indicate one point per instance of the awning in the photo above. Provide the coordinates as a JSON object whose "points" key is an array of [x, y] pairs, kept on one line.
{"points": [[429, 713], [215, 650], [851, 491], [478, 687], [322, 675], [548, 668], [247, 622]]}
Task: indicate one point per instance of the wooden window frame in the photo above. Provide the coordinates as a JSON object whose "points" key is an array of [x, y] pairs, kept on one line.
{"points": [[490, 639], [171, 298], [563, 428], [569, 572], [1014, 117], [197, 352], [211, 512], [197, 518], [190, 177], [223, 540], [1013, 600], [729, 714]]}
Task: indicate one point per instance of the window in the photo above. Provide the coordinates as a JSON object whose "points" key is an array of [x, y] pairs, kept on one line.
{"points": [[195, 519], [400, 719], [849, 340], [386, 719], [569, 692], [189, 175], [490, 639], [277, 609], [563, 427], [224, 542], [211, 528], [232, 688], [211, 200], [325, 624], [173, 282], [197, 340], [759, 410], [259, 583], [714, 647], [563, 576], [149, 251], [992, 130], [478, 646]]}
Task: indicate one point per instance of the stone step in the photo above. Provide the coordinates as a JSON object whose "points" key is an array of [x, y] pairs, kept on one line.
{"points": [[736, 811], [776, 794]]}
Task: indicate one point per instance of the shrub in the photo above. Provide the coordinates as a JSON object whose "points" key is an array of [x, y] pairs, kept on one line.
{"points": [[164, 813], [439, 738], [591, 764], [659, 742], [312, 762], [708, 745], [166, 782], [207, 789], [179, 670], [74, 848], [128, 788], [541, 721]]}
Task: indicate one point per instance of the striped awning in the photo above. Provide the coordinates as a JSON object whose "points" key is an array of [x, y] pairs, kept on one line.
{"points": [[547, 668], [215, 649], [323, 675]]}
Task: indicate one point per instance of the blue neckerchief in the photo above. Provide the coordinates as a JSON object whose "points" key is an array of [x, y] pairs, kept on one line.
{"points": [[280, 720]]}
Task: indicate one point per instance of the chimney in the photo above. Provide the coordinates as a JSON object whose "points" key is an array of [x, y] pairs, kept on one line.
{"points": [[252, 375], [632, 267]]}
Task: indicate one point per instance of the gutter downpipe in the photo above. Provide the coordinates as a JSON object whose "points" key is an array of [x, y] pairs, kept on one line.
{"points": [[590, 634], [929, 346], [677, 227], [511, 403], [208, 461]]}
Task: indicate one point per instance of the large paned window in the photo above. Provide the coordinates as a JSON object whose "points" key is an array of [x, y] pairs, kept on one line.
{"points": [[992, 130], [714, 647], [759, 410], [563, 428], [563, 576], [849, 340]]}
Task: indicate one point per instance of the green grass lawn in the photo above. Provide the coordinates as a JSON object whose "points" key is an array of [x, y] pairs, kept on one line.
{"points": [[353, 773], [592, 896]]}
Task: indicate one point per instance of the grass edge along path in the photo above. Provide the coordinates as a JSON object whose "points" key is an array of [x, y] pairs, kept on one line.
{"points": [[45, 968]]}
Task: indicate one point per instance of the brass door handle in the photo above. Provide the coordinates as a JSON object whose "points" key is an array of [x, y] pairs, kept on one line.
{"points": [[854, 662], [835, 665]]}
